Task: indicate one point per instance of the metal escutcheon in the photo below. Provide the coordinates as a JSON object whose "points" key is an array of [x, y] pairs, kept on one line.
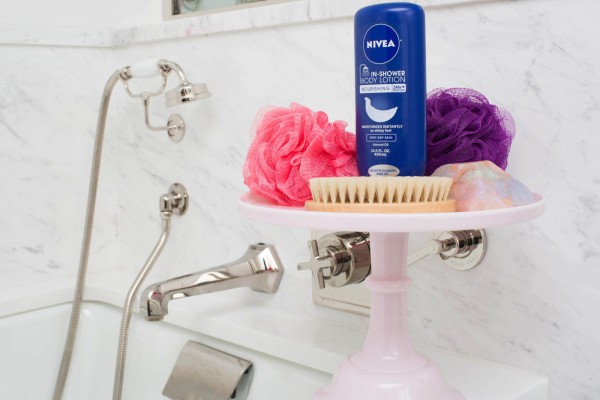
{"points": [[176, 128], [467, 250]]}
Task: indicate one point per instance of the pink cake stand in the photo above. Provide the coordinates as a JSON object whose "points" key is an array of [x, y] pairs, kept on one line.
{"points": [[387, 367]]}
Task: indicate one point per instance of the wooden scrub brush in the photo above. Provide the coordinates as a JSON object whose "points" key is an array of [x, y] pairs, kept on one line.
{"points": [[385, 194]]}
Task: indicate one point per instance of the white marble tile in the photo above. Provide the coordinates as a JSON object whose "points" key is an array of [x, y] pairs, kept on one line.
{"points": [[530, 303], [48, 104]]}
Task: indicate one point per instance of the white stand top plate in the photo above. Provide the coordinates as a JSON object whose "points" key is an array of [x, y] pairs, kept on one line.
{"points": [[258, 209]]}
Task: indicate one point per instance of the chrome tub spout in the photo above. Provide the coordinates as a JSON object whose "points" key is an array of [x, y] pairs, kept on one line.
{"points": [[259, 269]]}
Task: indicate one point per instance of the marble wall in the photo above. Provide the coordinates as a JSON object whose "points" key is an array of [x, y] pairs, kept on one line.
{"points": [[532, 303], [48, 109]]}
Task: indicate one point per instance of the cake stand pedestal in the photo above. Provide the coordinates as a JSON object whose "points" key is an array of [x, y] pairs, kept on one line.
{"points": [[387, 367]]}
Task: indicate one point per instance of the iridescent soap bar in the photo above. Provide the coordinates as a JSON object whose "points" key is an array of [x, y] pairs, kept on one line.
{"points": [[482, 185]]}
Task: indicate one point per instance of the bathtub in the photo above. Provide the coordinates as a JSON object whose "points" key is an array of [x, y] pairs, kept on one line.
{"points": [[292, 355], [32, 348]]}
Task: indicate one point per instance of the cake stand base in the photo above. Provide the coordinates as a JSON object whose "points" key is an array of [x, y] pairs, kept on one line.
{"points": [[352, 382], [388, 367]]}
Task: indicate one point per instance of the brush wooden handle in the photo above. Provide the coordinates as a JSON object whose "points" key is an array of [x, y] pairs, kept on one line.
{"points": [[421, 207]]}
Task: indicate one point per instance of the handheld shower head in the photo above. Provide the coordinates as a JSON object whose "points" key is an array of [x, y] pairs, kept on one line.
{"points": [[186, 92], [183, 93]]}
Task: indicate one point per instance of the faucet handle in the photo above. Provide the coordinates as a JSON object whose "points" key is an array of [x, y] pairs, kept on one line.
{"points": [[461, 250], [339, 259], [317, 264], [432, 247]]}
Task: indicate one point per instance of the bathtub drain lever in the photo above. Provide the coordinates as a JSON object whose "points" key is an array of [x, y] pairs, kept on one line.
{"points": [[202, 372]]}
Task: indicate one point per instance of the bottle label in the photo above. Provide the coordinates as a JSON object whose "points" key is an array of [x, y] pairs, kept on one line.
{"points": [[383, 170]]}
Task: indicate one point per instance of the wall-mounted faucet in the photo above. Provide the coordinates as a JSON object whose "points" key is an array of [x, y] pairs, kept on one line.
{"points": [[259, 269], [340, 261]]}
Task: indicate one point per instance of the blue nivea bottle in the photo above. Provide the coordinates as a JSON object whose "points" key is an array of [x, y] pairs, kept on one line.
{"points": [[389, 54]]}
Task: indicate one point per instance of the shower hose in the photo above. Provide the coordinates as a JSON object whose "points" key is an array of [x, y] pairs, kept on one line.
{"points": [[87, 238], [84, 258]]}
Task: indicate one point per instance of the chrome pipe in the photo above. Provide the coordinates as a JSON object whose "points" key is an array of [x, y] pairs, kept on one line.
{"points": [[173, 202], [129, 301]]}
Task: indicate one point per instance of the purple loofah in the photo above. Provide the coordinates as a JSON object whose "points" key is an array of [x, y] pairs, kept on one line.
{"points": [[462, 126]]}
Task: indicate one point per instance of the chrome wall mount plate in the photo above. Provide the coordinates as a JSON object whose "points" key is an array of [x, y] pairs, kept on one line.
{"points": [[469, 250], [176, 128], [175, 200]]}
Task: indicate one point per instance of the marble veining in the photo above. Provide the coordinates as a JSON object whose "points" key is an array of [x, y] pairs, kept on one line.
{"points": [[531, 304]]}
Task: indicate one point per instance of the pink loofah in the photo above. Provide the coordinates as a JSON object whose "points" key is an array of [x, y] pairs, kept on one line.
{"points": [[291, 146]]}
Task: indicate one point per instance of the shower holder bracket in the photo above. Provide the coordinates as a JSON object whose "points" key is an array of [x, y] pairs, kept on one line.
{"points": [[175, 124], [185, 92], [175, 200], [340, 262]]}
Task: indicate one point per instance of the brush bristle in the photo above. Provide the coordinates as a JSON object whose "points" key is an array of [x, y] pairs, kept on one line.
{"points": [[380, 190]]}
